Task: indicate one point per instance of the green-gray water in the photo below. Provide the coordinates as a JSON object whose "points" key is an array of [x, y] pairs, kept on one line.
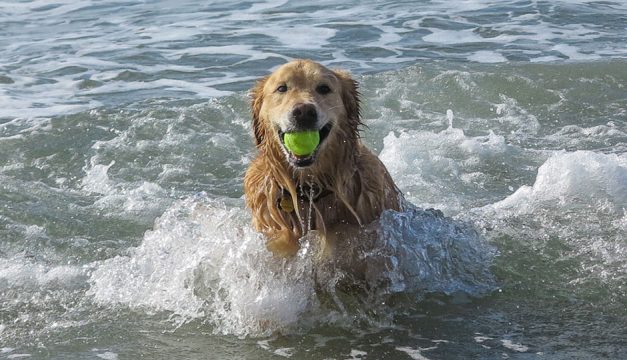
{"points": [[125, 133]]}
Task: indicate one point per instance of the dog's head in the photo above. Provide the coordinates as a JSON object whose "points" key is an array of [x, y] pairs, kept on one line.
{"points": [[305, 96]]}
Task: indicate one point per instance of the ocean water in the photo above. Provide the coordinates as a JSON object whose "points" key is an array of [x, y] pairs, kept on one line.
{"points": [[125, 133]]}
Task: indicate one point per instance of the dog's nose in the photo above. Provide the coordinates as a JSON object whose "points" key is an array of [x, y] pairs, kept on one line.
{"points": [[304, 116]]}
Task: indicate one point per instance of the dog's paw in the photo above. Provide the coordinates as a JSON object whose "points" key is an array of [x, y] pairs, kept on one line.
{"points": [[284, 244]]}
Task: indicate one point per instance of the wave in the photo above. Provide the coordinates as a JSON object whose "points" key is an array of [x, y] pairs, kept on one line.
{"points": [[203, 261]]}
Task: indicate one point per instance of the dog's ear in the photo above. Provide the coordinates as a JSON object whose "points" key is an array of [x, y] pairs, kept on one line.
{"points": [[350, 98], [257, 102]]}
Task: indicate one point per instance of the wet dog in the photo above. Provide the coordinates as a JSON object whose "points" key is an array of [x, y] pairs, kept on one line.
{"points": [[339, 186]]}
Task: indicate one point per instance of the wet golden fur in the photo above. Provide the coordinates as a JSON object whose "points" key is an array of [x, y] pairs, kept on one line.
{"points": [[359, 186]]}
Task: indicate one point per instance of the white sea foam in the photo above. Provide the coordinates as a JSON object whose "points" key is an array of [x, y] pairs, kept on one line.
{"points": [[415, 354], [198, 89], [96, 179], [112, 40], [585, 190], [509, 344], [234, 49], [573, 53], [107, 355], [593, 137], [297, 36], [19, 356], [266, 5], [20, 273], [203, 260], [487, 57], [581, 178], [357, 354], [434, 168], [118, 199], [52, 99], [451, 37], [545, 59]]}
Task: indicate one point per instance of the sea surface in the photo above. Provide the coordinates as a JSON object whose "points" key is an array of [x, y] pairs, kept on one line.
{"points": [[125, 133]]}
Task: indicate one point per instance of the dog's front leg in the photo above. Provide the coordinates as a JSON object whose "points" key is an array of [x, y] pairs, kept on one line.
{"points": [[283, 242]]}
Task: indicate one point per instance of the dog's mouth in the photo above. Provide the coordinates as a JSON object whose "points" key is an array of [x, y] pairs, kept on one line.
{"points": [[301, 161]]}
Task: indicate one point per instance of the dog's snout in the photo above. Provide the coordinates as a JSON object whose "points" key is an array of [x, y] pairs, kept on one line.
{"points": [[305, 115]]}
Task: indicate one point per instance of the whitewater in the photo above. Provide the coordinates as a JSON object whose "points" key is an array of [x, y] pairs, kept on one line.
{"points": [[125, 132]]}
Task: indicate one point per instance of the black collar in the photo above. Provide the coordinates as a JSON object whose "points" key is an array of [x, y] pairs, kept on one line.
{"points": [[306, 194], [312, 192], [309, 192]]}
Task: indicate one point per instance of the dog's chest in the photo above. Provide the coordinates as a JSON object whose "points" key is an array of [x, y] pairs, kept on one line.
{"points": [[319, 212]]}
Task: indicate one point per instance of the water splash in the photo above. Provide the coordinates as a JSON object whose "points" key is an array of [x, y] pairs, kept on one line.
{"points": [[450, 116], [203, 261], [586, 190]]}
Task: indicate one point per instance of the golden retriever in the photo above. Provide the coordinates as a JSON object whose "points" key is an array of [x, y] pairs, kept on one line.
{"points": [[341, 185]]}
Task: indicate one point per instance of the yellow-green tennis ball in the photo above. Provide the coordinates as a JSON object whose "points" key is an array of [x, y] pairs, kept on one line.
{"points": [[302, 143]]}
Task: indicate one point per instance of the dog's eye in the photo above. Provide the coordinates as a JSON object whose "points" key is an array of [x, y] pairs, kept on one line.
{"points": [[323, 89], [282, 88]]}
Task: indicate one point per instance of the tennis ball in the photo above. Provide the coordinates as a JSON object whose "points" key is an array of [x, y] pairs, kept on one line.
{"points": [[302, 143]]}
